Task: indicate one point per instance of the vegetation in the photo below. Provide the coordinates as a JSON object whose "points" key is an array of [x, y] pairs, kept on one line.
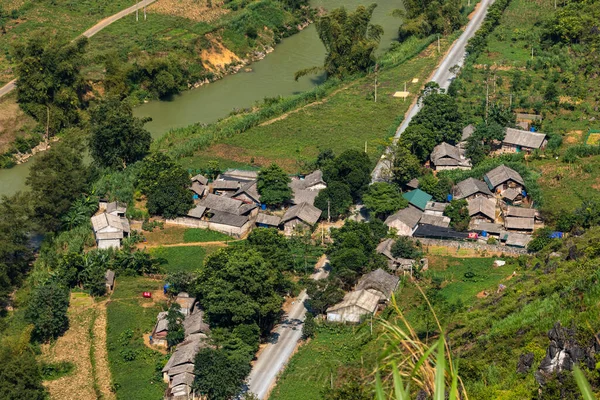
{"points": [[272, 184], [170, 195], [20, 376], [423, 18], [218, 376], [458, 213], [403, 247], [47, 311], [383, 199], [350, 41]]}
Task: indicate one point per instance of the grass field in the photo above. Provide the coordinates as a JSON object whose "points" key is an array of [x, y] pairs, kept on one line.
{"points": [[134, 366], [182, 258], [193, 235], [317, 363], [347, 118], [172, 234]]}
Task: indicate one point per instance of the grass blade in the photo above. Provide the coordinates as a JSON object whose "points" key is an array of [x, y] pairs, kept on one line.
{"points": [[440, 370], [379, 388], [584, 386], [401, 393]]}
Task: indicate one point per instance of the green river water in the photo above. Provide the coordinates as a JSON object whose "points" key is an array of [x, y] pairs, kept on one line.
{"points": [[270, 77]]}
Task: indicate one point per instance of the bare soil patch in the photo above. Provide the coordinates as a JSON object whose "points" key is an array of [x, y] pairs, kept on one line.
{"points": [[103, 377], [574, 137], [196, 10], [13, 122], [217, 57]]}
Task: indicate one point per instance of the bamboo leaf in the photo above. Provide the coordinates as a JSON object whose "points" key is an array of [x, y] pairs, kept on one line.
{"points": [[584, 386], [440, 387]]}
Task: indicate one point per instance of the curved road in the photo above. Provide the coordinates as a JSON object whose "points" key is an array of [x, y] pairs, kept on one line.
{"points": [[91, 32], [442, 76]]}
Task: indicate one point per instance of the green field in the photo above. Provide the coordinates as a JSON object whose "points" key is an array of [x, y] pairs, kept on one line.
{"points": [[134, 367], [193, 235], [344, 116], [182, 258], [331, 352]]}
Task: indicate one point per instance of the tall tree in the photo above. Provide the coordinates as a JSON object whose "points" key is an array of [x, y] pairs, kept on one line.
{"points": [[405, 165], [335, 200], [118, 138], [50, 87], [426, 17], [352, 168], [458, 213], [170, 195], [383, 199], [237, 286], [350, 41], [218, 376], [273, 185], [175, 330], [20, 376], [47, 311], [57, 178]]}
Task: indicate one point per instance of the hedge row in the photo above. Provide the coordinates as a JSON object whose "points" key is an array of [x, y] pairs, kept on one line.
{"points": [[492, 19]]}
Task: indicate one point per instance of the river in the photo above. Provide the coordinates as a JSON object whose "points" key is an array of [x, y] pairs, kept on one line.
{"points": [[270, 77]]}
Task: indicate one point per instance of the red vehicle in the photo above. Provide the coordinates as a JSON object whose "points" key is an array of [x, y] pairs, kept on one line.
{"points": [[147, 295], [473, 235]]}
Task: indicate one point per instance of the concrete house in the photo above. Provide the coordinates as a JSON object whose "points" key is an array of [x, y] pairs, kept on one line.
{"points": [[306, 189], [445, 157], [471, 188], [405, 221], [435, 208], [354, 306], [482, 209], [116, 208], [517, 140], [503, 178], [418, 198], [379, 283], [301, 216], [109, 230]]}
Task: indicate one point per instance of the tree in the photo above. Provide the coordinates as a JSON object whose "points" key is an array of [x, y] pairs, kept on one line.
{"points": [[323, 294], [57, 178], [309, 327], [438, 187], [170, 195], [274, 247], [93, 272], [383, 199], [218, 377], [273, 185], [20, 376], [151, 168], [47, 311], [237, 286], [175, 331], [180, 281], [458, 213], [350, 42], [335, 199], [426, 17], [352, 168], [406, 166], [403, 247], [117, 137], [479, 144], [50, 86], [438, 121]]}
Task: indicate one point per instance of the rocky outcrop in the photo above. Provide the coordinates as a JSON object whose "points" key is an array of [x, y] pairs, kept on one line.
{"points": [[525, 363], [564, 351]]}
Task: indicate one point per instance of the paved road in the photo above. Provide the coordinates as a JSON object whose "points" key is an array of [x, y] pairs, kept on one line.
{"points": [[91, 32], [443, 76], [274, 357]]}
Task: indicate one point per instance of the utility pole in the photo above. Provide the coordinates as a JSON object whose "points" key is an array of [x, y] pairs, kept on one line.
{"points": [[439, 44], [328, 210], [376, 78], [144, 12], [532, 52], [405, 91], [365, 146], [487, 98]]}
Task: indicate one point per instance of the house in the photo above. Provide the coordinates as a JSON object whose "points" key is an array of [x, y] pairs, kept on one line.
{"points": [[354, 306], [417, 198], [199, 186], [195, 323], [413, 184], [467, 132], [405, 221], [201, 179], [158, 337], [517, 140], [394, 264], [517, 239], [379, 283], [437, 220], [487, 228], [219, 204], [183, 356], [238, 175], [186, 302], [247, 193], [109, 230], [116, 208], [482, 209], [435, 208], [181, 385], [109, 280], [519, 218], [471, 188], [301, 216], [503, 178], [305, 189], [445, 156], [225, 188], [267, 221]]}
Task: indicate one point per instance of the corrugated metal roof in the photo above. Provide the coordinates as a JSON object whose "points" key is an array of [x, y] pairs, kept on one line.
{"points": [[418, 198]]}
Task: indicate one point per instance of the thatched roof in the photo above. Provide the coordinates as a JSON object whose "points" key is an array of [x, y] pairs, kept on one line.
{"points": [[437, 220], [520, 212], [518, 137], [304, 212], [266, 219], [502, 174], [379, 281], [521, 224], [469, 187], [362, 299], [484, 206], [410, 216]]}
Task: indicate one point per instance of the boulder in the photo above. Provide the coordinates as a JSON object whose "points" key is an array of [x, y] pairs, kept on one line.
{"points": [[525, 363]]}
